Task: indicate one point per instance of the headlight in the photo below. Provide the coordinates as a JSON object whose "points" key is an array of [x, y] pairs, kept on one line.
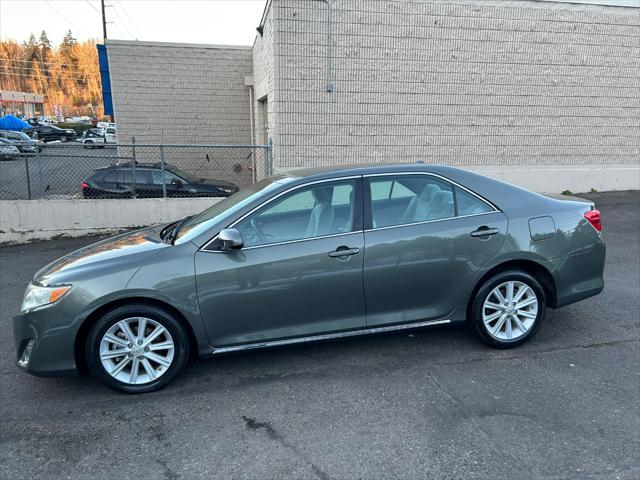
{"points": [[225, 190], [37, 296]]}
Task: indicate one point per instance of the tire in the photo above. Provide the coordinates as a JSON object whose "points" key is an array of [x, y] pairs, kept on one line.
{"points": [[151, 374], [63, 139], [520, 322]]}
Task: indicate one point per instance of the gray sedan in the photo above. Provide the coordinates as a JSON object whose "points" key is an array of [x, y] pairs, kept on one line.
{"points": [[309, 256]]}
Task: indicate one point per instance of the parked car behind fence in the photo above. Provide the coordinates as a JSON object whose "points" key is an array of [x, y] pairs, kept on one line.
{"points": [[60, 168], [151, 180], [8, 151]]}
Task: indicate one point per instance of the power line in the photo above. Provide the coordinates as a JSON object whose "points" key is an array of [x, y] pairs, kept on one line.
{"points": [[61, 15], [127, 17], [121, 20], [78, 71], [39, 61], [38, 76], [92, 6]]}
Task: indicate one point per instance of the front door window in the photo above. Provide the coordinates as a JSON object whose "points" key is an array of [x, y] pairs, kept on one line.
{"points": [[313, 211]]}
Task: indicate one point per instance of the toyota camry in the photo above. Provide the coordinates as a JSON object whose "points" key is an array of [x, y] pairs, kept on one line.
{"points": [[308, 256]]}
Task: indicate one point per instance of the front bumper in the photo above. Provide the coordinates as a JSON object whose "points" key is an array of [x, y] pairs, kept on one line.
{"points": [[52, 335]]}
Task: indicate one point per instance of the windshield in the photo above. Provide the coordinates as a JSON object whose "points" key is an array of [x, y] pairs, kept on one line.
{"points": [[186, 176], [218, 211]]}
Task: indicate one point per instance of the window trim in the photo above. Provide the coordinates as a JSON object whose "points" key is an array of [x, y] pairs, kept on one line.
{"points": [[368, 214], [356, 228]]}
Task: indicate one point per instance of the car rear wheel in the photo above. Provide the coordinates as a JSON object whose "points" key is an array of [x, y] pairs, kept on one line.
{"points": [[136, 348], [508, 309]]}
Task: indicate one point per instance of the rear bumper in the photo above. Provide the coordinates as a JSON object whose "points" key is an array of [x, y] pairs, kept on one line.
{"points": [[579, 276], [52, 352]]}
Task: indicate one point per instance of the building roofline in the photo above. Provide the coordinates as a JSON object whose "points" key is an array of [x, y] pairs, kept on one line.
{"points": [[175, 44]]}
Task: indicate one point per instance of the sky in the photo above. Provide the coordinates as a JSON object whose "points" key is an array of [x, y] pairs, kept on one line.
{"points": [[226, 22]]}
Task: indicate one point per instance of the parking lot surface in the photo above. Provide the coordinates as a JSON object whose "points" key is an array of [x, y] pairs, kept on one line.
{"points": [[56, 173], [433, 403]]}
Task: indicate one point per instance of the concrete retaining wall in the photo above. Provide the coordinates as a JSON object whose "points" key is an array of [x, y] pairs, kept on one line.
{"points": [[28, 220]]}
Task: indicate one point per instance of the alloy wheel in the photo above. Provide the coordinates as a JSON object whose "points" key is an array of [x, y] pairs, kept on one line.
{"points": [[510, 310], [136, 350]]}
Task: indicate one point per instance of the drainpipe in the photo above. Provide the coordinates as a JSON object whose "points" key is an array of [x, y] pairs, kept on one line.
{"points": [[249, 82], [329, 46], [254, 160]]}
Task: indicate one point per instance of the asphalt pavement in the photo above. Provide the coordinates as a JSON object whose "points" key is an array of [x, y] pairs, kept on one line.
{"points": [[433, 403], [55, 173]]}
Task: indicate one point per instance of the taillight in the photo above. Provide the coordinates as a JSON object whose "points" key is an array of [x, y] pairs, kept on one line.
{"points": [[84, 185], [593, 217]]}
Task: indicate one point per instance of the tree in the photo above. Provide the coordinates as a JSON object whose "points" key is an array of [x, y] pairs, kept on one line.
{"points": [[68, 75], [31, 49], [45, 47], [68, 45]]}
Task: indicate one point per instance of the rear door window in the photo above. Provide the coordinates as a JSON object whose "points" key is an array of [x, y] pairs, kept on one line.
{"points": [[112, 177], [411, 199], [469, 204]]}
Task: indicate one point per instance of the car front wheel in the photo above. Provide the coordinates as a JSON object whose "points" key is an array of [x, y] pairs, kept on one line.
{"points": [[508, 309], [136, 348]]}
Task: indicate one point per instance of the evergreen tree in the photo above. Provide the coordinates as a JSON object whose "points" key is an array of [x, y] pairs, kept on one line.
{"points": [[45, 47], [31, 50], [68, 75], [68, 48]]}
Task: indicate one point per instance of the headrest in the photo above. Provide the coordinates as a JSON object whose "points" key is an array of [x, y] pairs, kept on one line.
{"points": [[323, 194]]}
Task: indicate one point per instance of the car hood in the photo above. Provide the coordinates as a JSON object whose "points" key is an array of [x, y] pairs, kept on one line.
{"points": [[122, 252]]}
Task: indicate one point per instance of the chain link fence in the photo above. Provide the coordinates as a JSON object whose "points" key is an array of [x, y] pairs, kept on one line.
{"points": [[74, 170]]}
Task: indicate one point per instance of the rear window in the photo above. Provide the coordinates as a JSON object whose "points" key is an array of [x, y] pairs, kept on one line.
{"points": [[112, 177]]}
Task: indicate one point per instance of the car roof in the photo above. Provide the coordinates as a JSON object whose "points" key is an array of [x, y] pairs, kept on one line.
{"points": [[371, 169], [156, 165]]}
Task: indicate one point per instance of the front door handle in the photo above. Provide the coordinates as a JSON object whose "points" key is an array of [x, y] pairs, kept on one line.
{"points": [[344, 252], [484, 232]]}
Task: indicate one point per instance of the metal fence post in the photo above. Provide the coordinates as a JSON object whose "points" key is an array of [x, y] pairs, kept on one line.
{"points": [[26, 167], [39, 166], [270, 157], [133, 167], [164, 185]]}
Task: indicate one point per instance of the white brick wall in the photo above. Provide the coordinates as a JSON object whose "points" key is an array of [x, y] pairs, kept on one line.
{"points": [[458, 82], [184, 94], [180, 93]]}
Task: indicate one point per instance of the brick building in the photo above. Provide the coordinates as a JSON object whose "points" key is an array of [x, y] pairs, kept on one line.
{"points": [[537, 92]]}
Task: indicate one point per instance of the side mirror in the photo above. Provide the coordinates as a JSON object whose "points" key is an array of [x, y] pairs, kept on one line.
{"points": [[177, 183], [230, 239]]}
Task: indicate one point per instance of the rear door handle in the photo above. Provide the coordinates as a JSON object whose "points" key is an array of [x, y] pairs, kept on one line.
{"points": [[344, 252], [484, 232]]}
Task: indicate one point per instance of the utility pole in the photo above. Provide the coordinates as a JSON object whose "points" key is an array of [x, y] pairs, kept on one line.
{"points": [[104, 22]]}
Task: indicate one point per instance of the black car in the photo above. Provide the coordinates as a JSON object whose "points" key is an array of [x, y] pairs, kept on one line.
{"points": [[21, 140], [116, 181], [50, 133]]}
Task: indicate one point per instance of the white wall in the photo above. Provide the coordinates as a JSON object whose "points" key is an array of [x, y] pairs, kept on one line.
{"points": [[458, 82], [575, 178], [27, 220]]}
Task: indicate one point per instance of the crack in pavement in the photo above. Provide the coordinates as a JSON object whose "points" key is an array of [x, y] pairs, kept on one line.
{"points": [[273, 434]]}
